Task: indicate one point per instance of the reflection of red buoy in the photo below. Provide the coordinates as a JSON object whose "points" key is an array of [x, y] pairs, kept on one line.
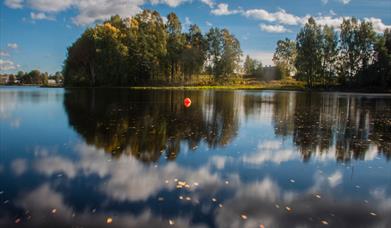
{"points": [[187, 102]]}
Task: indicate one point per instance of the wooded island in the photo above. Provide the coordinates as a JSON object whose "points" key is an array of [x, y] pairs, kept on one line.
{"points": [[150, 50]]}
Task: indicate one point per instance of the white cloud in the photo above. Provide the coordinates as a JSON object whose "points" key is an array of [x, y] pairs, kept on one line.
{"points": [[210, 3], [8, 65], [40, 16], [92, 10], [284, 18], [52, 5], [324, 1], [223, 9], [14, 4], [4, 53], [274, 28], [102, 9], [280, 16], [171, 3], [209, 24], [378, 25], [12, 45], [344, 1]]}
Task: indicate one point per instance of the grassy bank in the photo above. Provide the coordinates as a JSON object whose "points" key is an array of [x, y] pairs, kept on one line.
{"points": [[273, 85]]}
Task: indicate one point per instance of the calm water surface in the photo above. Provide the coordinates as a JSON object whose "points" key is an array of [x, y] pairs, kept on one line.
{"points": [[121, 158]]}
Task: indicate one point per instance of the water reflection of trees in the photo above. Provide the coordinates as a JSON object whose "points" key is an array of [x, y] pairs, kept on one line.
{"points": [[148, 124], [348, 126]]}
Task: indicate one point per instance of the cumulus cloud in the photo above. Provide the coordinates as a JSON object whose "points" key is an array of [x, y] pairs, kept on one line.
{"points": [[344, 1], [14, 4], [40, 16], [273, 28], [171, 3], [284, 18], [377, 23], [209, 3], [89, 11], [12, 45], [8, 65], [223, 9], [280, 16], [51, 5]]}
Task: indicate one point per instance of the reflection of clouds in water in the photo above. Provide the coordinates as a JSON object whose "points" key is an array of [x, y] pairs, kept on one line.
{"points": [[41, 202], [379, 194], [273, 151], [129, 179], [325, 182], [335, 179], [8, 105], [270, 151], [19, 166], [266, 203]]}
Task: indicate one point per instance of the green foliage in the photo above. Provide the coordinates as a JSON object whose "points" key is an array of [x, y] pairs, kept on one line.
{"points": [[308, 44], [253, 67], [284, 57], [359, 58], [143, 50]]}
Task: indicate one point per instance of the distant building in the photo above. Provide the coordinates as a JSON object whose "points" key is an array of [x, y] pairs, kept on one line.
{"points": [[4, 79], [52, 82], [270, 73]]}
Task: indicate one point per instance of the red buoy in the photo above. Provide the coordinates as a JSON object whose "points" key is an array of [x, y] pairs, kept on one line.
{"points": [[187, 102]]}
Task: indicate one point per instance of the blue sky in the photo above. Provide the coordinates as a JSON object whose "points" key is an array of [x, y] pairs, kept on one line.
{"points": [[34, 34]]}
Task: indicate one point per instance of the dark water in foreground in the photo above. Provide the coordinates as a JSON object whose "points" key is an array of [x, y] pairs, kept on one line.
{"points": [[121, 158]]}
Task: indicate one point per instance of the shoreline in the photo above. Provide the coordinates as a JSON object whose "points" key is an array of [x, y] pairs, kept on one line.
{"points": [[265, 86]]}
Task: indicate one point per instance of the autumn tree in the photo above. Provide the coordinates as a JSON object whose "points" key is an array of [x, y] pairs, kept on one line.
{"points": [[285, 56], [309, 54]]}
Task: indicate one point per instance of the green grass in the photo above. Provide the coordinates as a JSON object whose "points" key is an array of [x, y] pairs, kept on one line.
{"points": [[275, 85]]}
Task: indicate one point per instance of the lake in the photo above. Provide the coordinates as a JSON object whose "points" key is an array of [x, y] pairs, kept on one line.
{"points": [[140, 158]]}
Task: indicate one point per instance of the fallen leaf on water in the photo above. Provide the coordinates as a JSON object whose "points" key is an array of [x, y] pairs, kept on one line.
{"points": [[243, 216], [324, 222]]}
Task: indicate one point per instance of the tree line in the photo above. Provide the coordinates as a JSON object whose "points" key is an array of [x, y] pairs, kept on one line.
{"points": [[34, 77], [354, 56], [146, 48]]}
